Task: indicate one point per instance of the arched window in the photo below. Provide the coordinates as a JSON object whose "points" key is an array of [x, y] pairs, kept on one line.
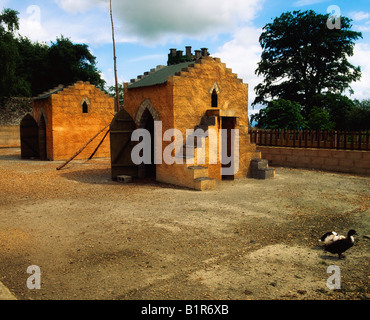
{"points": [[214, 99], [85, 108]]}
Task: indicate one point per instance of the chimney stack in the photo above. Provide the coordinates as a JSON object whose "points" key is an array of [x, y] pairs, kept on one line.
{"points": [[204, 52], [179, 53], [173, 52], [188, 51], [198, 54]]}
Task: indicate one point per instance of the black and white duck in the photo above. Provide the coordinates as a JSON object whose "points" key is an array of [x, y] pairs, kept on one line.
{"points": [[329, 238], [341, 244]]}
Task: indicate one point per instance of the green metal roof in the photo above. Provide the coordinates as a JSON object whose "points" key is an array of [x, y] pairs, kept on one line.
{"points": [[160, 76], [47, 94]]}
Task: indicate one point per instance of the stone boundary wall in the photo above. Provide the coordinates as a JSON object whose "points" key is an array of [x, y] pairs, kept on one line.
{"points": [[346, 161], [10, 137]]}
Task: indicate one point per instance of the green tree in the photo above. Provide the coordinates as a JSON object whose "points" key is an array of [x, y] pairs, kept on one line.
{"points": [[112, 92], [302, 58], [319, 119], [359, 116], [9, 19], [280, 114], [33, 66], [10, 84], [28, 68], [338, 106], [69, 62]]}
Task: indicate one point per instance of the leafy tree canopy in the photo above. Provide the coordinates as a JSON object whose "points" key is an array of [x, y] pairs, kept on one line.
{"points": [[319, 119], [359, 116], [303, 58], [9, 19], [112, 92], [280, 114], [28, 68]]}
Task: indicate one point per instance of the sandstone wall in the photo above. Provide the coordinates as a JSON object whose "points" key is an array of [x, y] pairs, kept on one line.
{"points": [[10, 136], [347, 161], [193, 97], [182, 102], [68, 128]]}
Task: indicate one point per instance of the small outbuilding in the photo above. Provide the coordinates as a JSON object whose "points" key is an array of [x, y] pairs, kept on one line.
{"points": [[64, 119], [201, 100]]}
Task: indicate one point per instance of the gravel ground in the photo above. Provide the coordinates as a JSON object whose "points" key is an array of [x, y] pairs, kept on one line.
{"points": [[249, 239]]}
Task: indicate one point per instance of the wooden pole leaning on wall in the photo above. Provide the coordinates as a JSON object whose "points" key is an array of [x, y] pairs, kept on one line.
{"points": [[100, 143], [79, 151]]}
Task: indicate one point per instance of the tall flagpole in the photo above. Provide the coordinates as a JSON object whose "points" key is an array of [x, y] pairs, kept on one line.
{"points": [[117, 106]]}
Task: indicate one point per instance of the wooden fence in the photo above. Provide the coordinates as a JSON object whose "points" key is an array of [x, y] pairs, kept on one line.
{"points": [[341, 140]]}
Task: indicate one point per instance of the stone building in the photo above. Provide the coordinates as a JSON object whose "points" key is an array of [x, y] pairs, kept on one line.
{"points": [[192, 92], [64, 119]]}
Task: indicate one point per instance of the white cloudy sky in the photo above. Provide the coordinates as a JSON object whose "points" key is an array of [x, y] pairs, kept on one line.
{"points": [[146, 29]]}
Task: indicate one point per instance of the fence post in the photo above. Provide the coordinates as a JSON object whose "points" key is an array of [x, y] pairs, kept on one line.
{"points": [[305, 139], [359, 147], [271, 137], [338, 139], [276, 136], [312, 138], [332, 139], [265, 142], [287, 138]]}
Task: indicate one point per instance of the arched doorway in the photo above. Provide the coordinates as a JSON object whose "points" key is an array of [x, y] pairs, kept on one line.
{"points": [[145, 117], [121, 145], [228, 124], [29, 131], [149, 170], [42, 138]]}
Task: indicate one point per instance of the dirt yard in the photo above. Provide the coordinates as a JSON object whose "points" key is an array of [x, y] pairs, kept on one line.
{"points": [[249, 239]]}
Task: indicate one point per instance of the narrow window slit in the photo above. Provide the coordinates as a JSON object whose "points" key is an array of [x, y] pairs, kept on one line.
{"points": [[214, 99], [84, 107]]}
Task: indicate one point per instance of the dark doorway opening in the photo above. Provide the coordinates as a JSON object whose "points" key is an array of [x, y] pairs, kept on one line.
{"points": [[214, 99], [121, 130], [149, 169], [85, 108], [228, 124], [42, 138], [29, 131]]}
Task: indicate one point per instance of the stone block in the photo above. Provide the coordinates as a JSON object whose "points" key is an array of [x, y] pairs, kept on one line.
{"points": [[259, 164], [267, 173], [204, 183], [198, 171]]}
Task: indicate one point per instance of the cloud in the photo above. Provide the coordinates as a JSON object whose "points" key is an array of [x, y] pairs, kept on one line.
{"points": [[242, 55], [30, 24], [361, 58], [45, 24], [77, 6], [359, 15], [148, 22], [362, 28], [153, 21]]}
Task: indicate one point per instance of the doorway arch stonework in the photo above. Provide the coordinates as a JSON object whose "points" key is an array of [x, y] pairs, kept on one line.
{"points": [[140, 118]]}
